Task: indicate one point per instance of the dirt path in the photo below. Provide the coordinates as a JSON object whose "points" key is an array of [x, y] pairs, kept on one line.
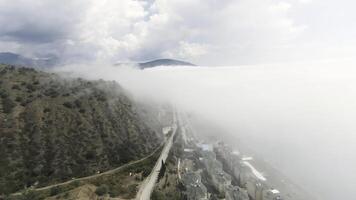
{"points": [[93, 176]]}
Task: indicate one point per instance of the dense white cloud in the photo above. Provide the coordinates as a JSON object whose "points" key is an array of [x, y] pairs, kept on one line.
{"points": [[299, 118]]}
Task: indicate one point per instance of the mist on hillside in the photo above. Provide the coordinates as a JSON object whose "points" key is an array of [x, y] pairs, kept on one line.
{"points": [[298, 117]]}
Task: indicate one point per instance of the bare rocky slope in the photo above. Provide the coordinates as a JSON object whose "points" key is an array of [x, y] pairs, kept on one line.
{"points": [[54, 129]]}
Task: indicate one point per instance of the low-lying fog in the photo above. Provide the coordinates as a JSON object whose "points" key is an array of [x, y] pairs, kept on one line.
{"points": [[300, 118]]}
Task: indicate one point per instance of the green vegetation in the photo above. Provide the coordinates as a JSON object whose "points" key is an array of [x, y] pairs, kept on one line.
{"points": [[55, 129], [123, 184], [101, 190], [162, 171], [8, 105], [119, 183], [221, 195], [30, 195], [157, 195], [55, 191]]}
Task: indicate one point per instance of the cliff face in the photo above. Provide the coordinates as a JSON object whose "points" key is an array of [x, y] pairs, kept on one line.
{"points": [[53, 129]]}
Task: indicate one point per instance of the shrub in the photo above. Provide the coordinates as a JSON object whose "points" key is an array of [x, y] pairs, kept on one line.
{"points": [[8, 105], [115, 191], [3, 94], [146, 172], [156, 195], [30, 87], [18, 99], [90, 155], [68, 104], [221, 195], [101, 190], [66, 195], [55, 191], [75, 184], [16, 87], [162, 171], [132, 190], [51, 92], [100, 97], [77, 103], [30, 195]]}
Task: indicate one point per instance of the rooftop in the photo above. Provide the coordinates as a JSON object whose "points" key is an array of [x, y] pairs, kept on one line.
{"points": [[254, 171]]}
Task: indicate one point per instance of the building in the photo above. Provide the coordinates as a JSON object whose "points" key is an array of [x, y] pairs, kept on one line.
{"points": [[214, 168], [205, 146], [255, 188], [195, 190], [166, 130], [220, 180], [271, 194], [208, 155], [188, 153], [235, 193], [236, 168]]}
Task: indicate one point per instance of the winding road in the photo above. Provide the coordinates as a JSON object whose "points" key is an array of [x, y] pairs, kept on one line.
{"points": [[148, 184]]}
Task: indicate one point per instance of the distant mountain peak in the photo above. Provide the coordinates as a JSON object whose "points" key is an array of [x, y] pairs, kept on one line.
{"points": [[16, 59], [163, 62], [157, 63], [8, 56]]}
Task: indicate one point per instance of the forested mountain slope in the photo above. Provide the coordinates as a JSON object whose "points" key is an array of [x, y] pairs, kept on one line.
{"points": [[53, 129]]}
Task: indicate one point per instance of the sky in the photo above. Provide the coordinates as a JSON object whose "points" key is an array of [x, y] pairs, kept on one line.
{"points": [[205, 32]]}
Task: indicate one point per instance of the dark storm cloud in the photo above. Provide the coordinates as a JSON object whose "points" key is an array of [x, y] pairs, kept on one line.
{"points": [[31, 33], [37, 24]]}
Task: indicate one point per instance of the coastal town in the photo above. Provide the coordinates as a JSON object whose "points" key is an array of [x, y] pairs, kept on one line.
{"points": [[214, 170]]}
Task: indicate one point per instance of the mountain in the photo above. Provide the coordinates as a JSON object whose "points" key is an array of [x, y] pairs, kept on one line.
{"points": [[16, 59], [19, 60], [157, 63], [163, 62], [54, 129]]}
